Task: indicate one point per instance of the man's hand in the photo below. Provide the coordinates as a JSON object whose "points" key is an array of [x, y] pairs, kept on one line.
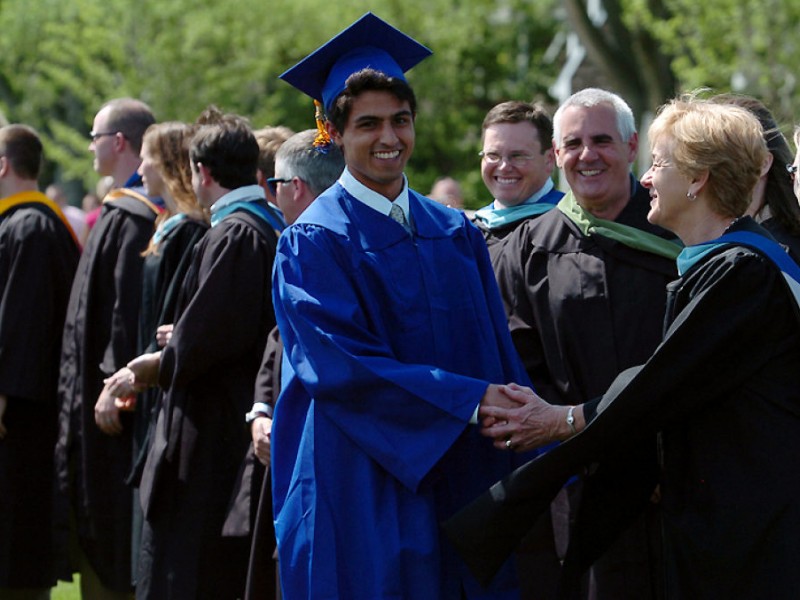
{"points": [[261, 430], [3, 404], [529, 423], [164, 334], [106, 414]]}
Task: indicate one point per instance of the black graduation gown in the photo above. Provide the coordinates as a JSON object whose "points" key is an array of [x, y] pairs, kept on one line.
{"points": [[100, 336], [724, 390], [581, 310], [261, 571], [788, 240], [494, 237], [38, 257], [162, 275], [208, 371]]}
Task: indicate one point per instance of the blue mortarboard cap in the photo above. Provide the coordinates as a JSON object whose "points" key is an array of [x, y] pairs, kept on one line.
{"points": [[369, 42]]}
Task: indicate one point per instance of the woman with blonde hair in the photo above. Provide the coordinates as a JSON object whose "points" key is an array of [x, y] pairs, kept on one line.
{"points": [[719, 398]]}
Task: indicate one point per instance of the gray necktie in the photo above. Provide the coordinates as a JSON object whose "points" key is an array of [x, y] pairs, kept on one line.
{"points": [[399, 216]]}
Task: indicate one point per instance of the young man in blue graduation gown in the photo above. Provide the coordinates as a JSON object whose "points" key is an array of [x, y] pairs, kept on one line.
{"points": [[394, 334]]}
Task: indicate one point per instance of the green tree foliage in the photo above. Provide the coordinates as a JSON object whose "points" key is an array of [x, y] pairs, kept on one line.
{"points": [[61, 59], [744, 46], [652, 49], [58, 60]]}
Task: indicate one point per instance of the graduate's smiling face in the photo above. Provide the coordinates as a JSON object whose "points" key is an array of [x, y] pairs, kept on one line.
{"points": [[377, 141]]}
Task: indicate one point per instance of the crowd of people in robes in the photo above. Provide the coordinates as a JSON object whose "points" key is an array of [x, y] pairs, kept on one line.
{"points": [[272, 369]]}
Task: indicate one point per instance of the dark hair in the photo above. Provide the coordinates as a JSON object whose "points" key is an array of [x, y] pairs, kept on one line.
{"points": [[131, 118], [22, 147], [521, 112], [779, 191], [225, 144], [368, 80]]}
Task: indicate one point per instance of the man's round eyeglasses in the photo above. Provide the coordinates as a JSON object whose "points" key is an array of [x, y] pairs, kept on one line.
{"points": [[96, 135], [518, 159], [272, 184]]}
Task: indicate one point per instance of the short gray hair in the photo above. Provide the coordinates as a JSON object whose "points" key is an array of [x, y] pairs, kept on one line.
{"points": [[318, 168], [626, 125]]}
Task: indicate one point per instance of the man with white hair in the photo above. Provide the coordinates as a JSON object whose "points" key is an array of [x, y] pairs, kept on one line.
{"points": [[584, 288]]}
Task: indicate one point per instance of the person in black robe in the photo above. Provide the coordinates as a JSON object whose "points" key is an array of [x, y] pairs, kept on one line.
{"points": [[517, 163], [166, 174], [38, 256], [721, 392], [100, 336], [207, 371], [583, 287]]}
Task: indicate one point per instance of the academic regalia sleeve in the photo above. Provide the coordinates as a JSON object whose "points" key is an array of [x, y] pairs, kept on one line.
{"points": [[132, 237], [268, 380], [701, 362], [353, 375], [38, 262]]}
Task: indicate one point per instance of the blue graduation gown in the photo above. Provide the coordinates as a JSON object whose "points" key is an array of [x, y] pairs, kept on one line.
{"points": [[392, 340]]}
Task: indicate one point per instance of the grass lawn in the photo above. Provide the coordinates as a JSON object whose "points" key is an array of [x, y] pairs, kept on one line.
{"points": [[67, 591]]}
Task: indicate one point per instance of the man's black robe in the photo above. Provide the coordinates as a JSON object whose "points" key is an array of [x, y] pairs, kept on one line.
{"points": [[208, 372], [251, 510], [581, 309], [100, 336], [38, 256]]}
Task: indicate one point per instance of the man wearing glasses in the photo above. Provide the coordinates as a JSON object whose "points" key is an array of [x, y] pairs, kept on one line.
{"points": [[93, 455], [517, 161]]}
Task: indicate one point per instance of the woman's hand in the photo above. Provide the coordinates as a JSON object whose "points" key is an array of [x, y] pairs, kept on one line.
{"points": [[532, 423]]}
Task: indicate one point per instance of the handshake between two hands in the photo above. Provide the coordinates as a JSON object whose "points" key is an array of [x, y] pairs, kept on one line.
{"points": [[517, 419]]}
